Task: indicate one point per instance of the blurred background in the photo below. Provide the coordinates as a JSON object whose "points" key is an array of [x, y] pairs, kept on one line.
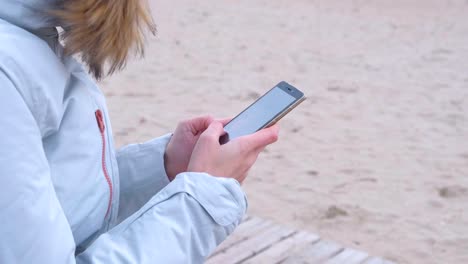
{"points": [[376, 158]]}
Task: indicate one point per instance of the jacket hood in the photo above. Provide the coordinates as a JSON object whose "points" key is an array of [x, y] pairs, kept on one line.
{"points": [[31, 15], [101, 32]]}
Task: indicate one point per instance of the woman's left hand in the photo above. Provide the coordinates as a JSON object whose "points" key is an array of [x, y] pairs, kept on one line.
{"points": [[180, 147]]}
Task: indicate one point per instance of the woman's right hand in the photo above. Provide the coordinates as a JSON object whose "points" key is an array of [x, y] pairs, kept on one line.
{"points": [[233, 159]]}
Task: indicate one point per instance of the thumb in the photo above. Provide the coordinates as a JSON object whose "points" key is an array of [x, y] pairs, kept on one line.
{"points": [[224, 121], [263, 137]]}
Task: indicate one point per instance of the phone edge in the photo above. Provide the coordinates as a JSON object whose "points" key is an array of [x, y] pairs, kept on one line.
{"points": [[284, 113]]}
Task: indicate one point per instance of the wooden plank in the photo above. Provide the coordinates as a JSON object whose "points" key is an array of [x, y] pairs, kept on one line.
{"points": [[348, 256], [376, 260], [245, 230], [257, 241], [316, 253], [248, 223], [252, 246], [280, 250]]}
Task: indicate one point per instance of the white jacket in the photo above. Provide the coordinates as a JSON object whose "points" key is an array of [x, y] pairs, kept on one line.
{"points": [[66, 195]]}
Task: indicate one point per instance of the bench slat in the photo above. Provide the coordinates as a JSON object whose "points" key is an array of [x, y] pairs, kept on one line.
{"points": [[377, 260], [251, 246], [280, 250], [315, 253], [245, 230], [349, 256]]}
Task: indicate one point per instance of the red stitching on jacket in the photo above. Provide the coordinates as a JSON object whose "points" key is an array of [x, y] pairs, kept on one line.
{"points": [[100, 122]]}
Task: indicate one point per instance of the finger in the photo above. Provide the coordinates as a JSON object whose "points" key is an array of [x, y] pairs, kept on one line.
{"points": [[214, 131], [224, 121], [263, 137], [199, 124]]}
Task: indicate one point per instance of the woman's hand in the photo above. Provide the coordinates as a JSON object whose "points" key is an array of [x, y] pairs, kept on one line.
{"points": [[233, 159], [181, 145]]}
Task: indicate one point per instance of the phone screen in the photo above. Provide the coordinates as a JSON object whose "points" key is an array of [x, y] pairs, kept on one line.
{"points": [[257, 115]]}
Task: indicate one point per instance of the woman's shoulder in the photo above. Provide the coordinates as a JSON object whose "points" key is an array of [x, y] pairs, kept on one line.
{"points": [[32, 68], [23, 52]]}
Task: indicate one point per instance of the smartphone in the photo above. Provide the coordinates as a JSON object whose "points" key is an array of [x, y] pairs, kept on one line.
{"points": [[264, 112]]}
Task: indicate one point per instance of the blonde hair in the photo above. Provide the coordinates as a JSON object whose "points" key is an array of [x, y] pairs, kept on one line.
{"points": [[105, 31]]}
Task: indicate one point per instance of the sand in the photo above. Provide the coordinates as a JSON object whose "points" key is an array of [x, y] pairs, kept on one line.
{"points": [[376, 158]]}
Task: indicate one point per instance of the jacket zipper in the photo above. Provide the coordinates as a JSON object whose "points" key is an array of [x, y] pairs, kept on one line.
{"points": [[100, 122]]}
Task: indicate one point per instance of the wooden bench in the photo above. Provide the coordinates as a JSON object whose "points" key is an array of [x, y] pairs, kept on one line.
{"points": [[261, 241]]}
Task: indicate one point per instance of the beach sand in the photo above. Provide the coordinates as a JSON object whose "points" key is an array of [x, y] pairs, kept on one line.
{"points": [[376, 158]]}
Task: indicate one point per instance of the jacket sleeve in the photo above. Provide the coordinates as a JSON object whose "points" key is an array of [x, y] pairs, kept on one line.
{"points": [[141, 172], [183, 223]]}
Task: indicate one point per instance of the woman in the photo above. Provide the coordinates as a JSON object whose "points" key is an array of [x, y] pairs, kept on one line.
{"points": [[66, 195]]}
